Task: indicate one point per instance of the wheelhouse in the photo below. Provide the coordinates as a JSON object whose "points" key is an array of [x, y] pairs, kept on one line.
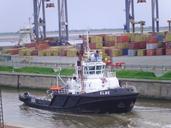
{"points": [[91, 69]]}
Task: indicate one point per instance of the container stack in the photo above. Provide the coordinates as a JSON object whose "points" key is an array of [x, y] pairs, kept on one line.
{"points": [[71, 52], [152, 45], [13, 51], [109, 40], [168, 44], [113, 52], [27, 52], [149, 44], [137, 45], [96, 42]]}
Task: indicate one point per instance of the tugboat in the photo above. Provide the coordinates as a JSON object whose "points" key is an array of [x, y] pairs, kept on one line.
{"points": [[92, 89]]}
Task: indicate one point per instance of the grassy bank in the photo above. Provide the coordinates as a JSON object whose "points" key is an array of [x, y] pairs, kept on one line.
{"points": [[38, 70], [135, 74]]}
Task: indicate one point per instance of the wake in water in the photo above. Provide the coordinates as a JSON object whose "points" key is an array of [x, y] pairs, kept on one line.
{"points": [[151, 109]]}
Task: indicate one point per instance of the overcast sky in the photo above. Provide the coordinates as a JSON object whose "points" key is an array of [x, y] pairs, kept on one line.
{"points": [[83, 14]]}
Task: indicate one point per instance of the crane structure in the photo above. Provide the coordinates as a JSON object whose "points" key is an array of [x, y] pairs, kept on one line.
{"points": [[39, 9], [63, 21], [130, 15], [169, 24], [40, 17]]}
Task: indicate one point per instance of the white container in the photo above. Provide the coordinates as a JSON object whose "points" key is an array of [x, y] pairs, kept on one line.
{"points": [[151, 46], [132, 52]]}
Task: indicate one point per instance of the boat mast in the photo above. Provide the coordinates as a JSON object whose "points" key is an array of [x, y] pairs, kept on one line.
{"points": [[84, 47], [87, 44], [80, 70]]}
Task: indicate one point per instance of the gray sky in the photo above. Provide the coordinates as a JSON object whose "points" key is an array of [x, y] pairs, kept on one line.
{"points": [[83, 14]]}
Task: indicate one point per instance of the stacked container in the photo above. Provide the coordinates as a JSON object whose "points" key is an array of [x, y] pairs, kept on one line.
{"points": [[71, 52], [113, 52], [109, 40], [141, 52], [167, 48], [27, 51], [96, 42]]}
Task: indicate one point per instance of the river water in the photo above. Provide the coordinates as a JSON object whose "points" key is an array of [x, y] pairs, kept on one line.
{"points": [[146, 114]]}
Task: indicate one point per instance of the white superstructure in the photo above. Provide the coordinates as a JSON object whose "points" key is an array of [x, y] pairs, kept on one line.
{"points": [[91, 76]]}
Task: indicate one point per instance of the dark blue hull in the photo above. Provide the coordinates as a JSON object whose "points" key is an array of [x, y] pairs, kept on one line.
{"points": [[108, 101]]}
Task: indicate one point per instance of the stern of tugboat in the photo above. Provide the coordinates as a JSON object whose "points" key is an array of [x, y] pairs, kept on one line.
{"points": [[25, 97]]}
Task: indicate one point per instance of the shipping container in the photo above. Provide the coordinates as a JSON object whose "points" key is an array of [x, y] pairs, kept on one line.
{"points": [[125, 51], [168, 37], [150, 52], [160, 51], [138, 38], [108, 44], [30, 45], [122, 38], [14, 51], [42, 46], [34, 52], [63, 51], [26, 51], [92, 45], [167, 45], [95, 45], [42, 53], [96, 39], [52, 43], [141, 52], [137, 45], [114, 52], [109, 38], [71, 52], [168, 51], [132, 52], [153, 38], [151, 46], [121, 45]]}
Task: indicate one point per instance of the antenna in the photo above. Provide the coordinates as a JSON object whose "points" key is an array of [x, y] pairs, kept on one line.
{"points": [[87, 42]]}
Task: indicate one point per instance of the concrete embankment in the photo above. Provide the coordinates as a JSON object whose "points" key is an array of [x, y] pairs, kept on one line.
{"points": [[146, 88]]}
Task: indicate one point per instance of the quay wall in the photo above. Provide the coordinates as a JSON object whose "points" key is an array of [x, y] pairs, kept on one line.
{"points": [[147, 88], [22, 80]]}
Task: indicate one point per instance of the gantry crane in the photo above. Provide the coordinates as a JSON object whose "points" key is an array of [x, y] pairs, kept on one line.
{"points": [[169, 24], [129, 5], [63, 21], [40, 19]]}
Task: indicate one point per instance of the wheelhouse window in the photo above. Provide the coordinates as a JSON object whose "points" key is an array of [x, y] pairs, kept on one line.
{"points": [[94, 69]]}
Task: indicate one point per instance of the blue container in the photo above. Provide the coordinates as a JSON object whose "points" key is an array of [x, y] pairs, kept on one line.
{"points": [[53, 43], [160, 38], [125, 51]]}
